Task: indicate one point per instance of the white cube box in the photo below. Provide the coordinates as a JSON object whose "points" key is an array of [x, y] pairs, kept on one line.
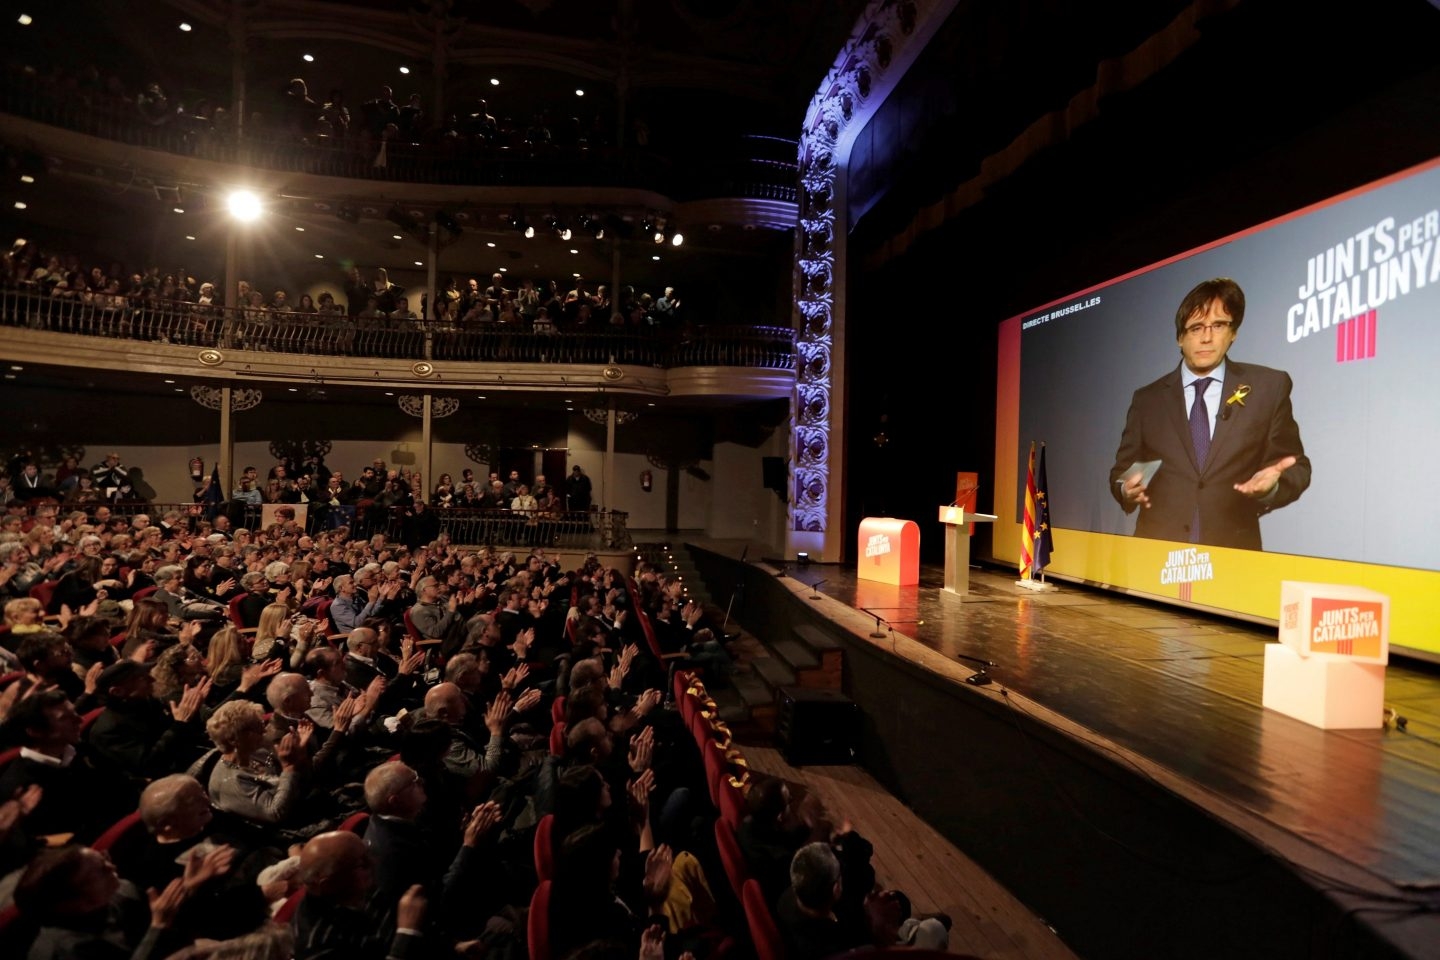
{"points": [[1326, 692]]}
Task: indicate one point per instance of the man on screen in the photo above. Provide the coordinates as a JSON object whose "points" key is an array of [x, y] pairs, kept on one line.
{"points": [[1223, 430]]}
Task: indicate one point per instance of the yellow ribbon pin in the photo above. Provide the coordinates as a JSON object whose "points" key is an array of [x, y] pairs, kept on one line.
{"points": [[1241, 392]]}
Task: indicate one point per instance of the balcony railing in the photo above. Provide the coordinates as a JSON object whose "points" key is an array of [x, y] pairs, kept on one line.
{"points": [[174, 322], [467, 161], [570, 530]]}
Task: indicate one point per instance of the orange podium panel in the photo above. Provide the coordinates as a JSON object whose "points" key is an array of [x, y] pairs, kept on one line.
{"points": [[889, 551]]}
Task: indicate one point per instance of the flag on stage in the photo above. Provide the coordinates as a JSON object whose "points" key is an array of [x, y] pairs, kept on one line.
{"points": [[1042, 544], [1036, 544], [1027, 530], [213, 494]]}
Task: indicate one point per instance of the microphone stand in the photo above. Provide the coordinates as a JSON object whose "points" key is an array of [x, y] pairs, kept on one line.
{"points": [[815, 589], [979, 678], [878, 634]]}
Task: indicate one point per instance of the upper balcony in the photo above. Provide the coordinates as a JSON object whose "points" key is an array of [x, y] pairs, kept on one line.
{"points": [[253, 346], [748, 167]]}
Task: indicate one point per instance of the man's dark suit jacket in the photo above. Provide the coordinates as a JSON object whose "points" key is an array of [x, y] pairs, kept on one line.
{"points": [[1246, 438]]}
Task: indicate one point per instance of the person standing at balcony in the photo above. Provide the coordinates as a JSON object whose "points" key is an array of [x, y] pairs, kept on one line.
{"points": [[110, 472], [380, 112], [577, 489], [385, 293], [494, 294], [667, 308], [356, 292]]}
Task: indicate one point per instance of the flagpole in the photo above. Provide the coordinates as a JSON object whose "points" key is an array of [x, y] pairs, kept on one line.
{"points": [[1035, 534]]}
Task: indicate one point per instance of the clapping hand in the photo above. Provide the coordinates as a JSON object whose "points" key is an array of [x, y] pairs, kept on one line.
{"points": [[640, 788], [527, 700], [193, 697], [652, 943], [165, 904], [642, 747], [201, 870], [481, 821], [256, 672], [657, 872], [496, 714]]}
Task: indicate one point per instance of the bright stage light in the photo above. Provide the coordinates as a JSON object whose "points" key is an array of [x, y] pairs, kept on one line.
{"points": [[244, 205]]}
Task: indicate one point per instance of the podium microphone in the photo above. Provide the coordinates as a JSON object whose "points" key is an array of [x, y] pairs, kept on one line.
{"points": [[815, 589]]}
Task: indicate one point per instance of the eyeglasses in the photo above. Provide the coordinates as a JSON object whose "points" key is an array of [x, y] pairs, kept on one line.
{"points": [[1219, 327]]}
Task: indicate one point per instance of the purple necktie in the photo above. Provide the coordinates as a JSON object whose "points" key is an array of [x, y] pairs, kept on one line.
{"points": [[1200, 437], [1200, 423]]}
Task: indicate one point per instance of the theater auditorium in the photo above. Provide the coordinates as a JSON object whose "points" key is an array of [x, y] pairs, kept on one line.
{"points": [[547, 479]]}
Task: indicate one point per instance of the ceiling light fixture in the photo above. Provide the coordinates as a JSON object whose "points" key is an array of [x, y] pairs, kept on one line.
{"points": [[185, 28], [244, 205], [20, 204], [405, 70], [26, 178], [308, 58], [179, 209], [189, 236], [25, 21], [579, 92], [494, 81]]}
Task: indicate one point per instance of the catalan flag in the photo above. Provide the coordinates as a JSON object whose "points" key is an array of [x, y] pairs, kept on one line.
{"points": [[1036, 544]]}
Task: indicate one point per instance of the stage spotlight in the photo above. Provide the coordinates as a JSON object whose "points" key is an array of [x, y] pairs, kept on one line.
{"points": [[676, 237], [557, 226], [593, 226], [521, 225], [244, 205]]}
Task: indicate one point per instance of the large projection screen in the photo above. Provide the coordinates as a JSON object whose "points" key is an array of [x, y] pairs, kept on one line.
{"points": [[1344, 297]]}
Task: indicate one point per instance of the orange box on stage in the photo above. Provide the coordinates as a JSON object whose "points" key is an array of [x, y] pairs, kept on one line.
{"points": [[889, 551]]}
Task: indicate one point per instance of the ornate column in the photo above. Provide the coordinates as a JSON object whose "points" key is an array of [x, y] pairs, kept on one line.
{"points": [[227, 400], [887, 38]]}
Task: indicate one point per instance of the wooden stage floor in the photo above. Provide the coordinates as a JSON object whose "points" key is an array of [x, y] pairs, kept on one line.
{"points": [[1174, 695], [1182, 689]]}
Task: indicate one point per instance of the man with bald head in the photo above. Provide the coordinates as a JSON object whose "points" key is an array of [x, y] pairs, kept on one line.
{"points": [[407, 850], [176, 813], [344, 914], [447, 702]]}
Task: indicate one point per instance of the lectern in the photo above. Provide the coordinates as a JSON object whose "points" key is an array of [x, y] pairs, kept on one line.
{"points": [[957, 522]]}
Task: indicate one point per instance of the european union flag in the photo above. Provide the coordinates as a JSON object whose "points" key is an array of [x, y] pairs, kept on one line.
{"points": [[1044, 545]]}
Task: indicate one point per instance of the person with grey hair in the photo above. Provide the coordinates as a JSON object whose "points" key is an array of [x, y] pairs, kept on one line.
{"points": [[246, 779], [436, 621], [170, 588], [806, 912], [350, 608], [407, 851]]}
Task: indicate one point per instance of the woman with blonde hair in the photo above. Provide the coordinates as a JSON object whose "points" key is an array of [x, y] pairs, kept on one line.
{"points": [[250, 781], [24, 616], [273, 634], [226, 664], [228, 653]]}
